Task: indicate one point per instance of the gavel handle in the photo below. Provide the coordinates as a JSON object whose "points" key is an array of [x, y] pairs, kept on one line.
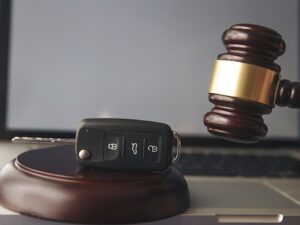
{"points": [[288, 94]]}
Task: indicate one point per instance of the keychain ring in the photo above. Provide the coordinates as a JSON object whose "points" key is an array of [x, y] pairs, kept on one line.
{"points": [[176, 155]]}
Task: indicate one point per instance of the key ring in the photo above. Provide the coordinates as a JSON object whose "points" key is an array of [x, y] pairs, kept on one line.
{"points": [[158, 155], [176, 154]]}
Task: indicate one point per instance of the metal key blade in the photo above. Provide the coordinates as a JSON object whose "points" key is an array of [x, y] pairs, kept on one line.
{"points": [[41, 140]]}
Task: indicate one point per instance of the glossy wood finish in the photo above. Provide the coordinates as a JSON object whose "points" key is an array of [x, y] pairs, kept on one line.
{"points": [[253, 44], [237, 119], [49, 184], [288, 94]]}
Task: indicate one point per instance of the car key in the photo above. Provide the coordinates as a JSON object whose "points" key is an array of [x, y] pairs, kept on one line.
{"points": [[120, 144]]}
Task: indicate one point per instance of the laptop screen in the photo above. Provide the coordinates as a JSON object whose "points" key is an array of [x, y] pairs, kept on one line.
{"points": [[138, 59]]}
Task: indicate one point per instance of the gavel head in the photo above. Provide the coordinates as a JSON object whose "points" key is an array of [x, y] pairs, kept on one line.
{"points": [[245, 82]]}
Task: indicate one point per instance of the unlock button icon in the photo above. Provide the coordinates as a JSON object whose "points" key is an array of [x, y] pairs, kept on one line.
{"points": [[152, 148]]}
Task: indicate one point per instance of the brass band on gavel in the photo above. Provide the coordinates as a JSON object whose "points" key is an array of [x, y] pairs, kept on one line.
{"points": [[246, 81]]}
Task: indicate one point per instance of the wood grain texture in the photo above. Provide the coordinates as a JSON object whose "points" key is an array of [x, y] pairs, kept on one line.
{"points": [[47, 183]]}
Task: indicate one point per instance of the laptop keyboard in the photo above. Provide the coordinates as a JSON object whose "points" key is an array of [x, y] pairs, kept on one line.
{"points": [[238, 165]]}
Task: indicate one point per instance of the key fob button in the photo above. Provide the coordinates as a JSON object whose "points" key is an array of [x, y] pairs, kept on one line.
{"points": [[134, 146], [90, 140], [123, 144], [153, 148], [112, 146]]}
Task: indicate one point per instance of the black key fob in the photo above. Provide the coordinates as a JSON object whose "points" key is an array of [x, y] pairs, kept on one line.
{"points": [[124, 144]]}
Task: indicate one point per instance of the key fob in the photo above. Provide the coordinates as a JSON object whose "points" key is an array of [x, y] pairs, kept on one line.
{"points": [[124, 144]]}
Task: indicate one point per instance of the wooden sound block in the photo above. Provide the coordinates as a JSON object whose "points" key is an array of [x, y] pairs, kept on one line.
{"points": [[48, 183]]}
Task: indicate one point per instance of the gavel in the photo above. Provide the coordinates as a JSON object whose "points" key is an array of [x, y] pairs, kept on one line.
{"points": [[246, 84]]}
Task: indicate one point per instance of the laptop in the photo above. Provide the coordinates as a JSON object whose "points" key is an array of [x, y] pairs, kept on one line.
{"points": [[62, 61]]}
